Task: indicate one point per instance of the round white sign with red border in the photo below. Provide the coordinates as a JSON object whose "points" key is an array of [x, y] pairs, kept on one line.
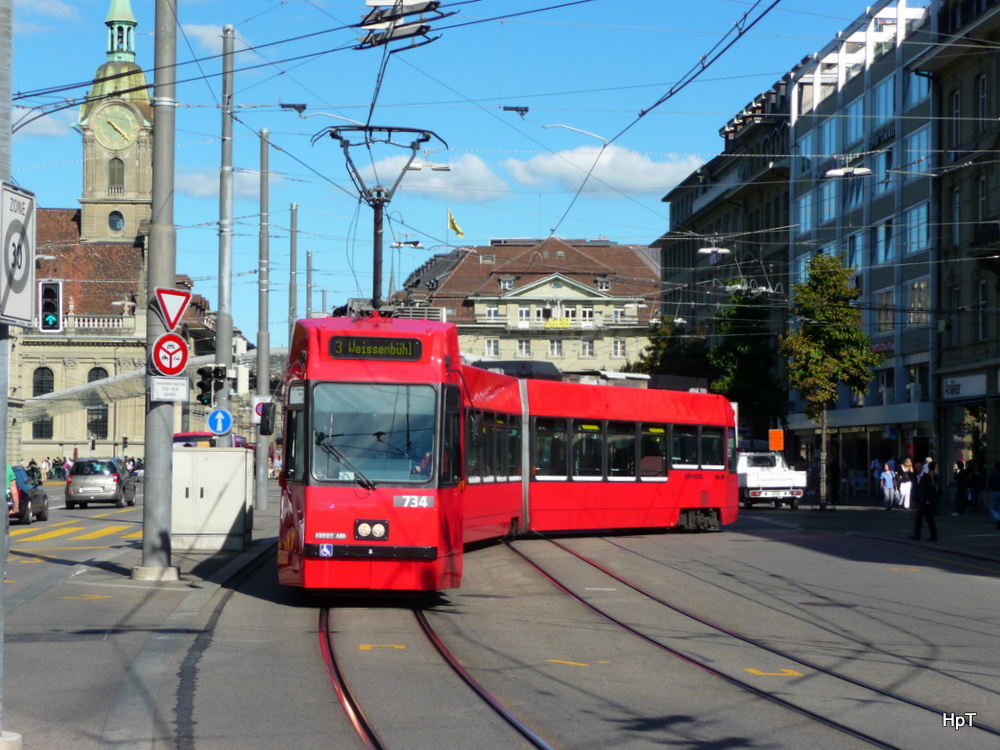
{"points": [[170, 354]]}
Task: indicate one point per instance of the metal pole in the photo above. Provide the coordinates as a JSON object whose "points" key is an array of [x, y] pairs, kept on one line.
{"points": [[323, 297], [378, 202], [309, 283], [7, 739], [162, 263], [293, 272], [224, 318], [263, 334]]}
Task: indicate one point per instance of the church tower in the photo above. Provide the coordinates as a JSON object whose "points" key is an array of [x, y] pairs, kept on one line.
{"points": [[117, 126]]}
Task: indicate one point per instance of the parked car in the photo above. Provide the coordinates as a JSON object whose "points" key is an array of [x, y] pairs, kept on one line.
{"points": [[100, 480], [34, 504]]}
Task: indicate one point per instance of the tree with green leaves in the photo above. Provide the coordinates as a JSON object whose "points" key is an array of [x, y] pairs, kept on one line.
{"points": [[673, 352], [746, 360], [826, 346]]}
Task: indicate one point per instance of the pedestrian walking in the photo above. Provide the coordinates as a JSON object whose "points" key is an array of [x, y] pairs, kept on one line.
{"points": [[13, 509], [887, 481], [45, 468], [925, 498], [904, 480], [993, 485], [961, 477]]}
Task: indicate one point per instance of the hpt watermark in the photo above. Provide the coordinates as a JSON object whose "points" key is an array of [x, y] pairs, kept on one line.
{"points": [[957, 721]]}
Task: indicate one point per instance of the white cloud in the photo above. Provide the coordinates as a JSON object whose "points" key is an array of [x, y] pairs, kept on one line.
{"points": [[55, 125], [617, 170], [208, 38], [469, 179], [51, 8], [205, 183]]}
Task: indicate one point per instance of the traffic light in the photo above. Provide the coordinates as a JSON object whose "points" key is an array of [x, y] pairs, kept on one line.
{"points": [[204, 386], [50, 309], [93, 444], [219, 380], [124, 442]]}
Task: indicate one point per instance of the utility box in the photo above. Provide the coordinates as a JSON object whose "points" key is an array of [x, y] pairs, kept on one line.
{"points": [[212, 499]]}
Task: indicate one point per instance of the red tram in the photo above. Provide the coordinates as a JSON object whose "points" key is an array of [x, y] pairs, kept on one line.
{"points": [[396, 455]]}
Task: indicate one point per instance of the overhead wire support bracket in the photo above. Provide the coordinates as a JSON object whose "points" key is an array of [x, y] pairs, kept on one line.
{"points": [[398, 22]]}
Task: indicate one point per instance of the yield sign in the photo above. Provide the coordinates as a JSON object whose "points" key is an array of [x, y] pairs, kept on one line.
{"points": [[170, 354], [173, 303]]}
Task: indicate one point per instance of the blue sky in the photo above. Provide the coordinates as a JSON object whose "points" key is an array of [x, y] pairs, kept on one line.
{"points": [[591, 67]]}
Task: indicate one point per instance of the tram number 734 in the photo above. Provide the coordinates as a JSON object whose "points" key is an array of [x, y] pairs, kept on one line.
{"points": [[413, 501]]}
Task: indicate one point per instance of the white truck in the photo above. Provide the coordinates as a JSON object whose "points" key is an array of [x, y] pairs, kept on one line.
{"points": [[765, 477]]}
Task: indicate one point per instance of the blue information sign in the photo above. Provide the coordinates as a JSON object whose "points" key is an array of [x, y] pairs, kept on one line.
{"points": [[220, 422]]}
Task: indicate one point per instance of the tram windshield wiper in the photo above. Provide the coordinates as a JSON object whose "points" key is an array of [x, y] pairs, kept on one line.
{"points": [[331, 450]]}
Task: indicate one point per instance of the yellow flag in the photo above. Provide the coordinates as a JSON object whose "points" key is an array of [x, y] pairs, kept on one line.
{"points": [[453, 225]]}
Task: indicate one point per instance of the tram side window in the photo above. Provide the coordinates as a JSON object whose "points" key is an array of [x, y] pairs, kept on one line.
{"points": [[473, 442], [653, 451], [587, 448], [550, 448], [514, 447], [487, 459], [296, 445], [499, 439], [684, 446], [621, 449], [713, 448], [451, 440]]}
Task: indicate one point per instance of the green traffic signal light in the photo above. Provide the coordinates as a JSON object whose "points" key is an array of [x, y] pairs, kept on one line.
{"points": [[50, 306]]}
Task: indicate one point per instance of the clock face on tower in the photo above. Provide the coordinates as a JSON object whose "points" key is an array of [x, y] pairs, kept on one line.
{"points": [[116, 127]]}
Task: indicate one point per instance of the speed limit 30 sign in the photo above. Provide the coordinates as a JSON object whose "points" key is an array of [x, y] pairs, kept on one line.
{"points": [[17, 277]]}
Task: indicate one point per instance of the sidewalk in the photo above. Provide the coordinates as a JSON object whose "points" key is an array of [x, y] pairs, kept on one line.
{"points": [[87, 648], [972, 534]]}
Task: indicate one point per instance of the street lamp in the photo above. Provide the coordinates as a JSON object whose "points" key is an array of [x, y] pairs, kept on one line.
{"points": [[848, 172]]}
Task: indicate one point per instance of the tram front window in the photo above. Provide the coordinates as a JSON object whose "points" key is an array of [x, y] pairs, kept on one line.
{"points": [[373, 432]]}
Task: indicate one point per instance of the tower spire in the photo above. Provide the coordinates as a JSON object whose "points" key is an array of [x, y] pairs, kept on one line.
{"points": [[121, 31]]}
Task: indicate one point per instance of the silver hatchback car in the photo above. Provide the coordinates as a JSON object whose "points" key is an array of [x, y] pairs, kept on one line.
{"points": [[100, 480]]}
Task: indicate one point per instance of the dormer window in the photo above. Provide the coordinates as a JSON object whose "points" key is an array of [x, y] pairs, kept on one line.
{"points": [[604, 285], [487, 259], [506, 284]]}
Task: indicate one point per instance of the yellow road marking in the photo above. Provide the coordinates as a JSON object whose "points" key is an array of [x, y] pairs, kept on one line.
{"points": [[908, 570], [571, 663], [136, 535], [59, 549], [960, 564], [87, 596], [106, 531], [370, 646], [53, 534], [782, 673]]}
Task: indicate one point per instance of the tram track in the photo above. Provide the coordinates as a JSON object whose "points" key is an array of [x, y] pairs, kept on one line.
{"points": [[366, 727], [693, 658], [784, 654]]}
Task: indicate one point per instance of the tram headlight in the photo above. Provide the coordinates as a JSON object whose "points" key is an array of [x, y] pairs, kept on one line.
{"points": [[371, 529]]}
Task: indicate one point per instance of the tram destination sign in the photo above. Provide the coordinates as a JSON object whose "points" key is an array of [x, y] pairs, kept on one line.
{"points": [[371, 347]]}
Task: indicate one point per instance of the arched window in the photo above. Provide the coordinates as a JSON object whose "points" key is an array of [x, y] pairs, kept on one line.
{"points": [[42, 381], [97, 416], [116, 175], [116, 221]]}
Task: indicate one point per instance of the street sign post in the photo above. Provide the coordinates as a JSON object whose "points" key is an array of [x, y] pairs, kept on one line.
{"points": [[258, 408], [172, 303], [17, 276], [170, 354], [220, 422]]}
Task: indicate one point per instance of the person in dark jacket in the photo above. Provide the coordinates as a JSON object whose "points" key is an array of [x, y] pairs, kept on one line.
{"points": [[925, 497]]}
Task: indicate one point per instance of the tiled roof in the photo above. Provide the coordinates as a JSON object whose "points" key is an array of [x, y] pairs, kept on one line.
{"points": [[94, 275], [467, 272]]}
